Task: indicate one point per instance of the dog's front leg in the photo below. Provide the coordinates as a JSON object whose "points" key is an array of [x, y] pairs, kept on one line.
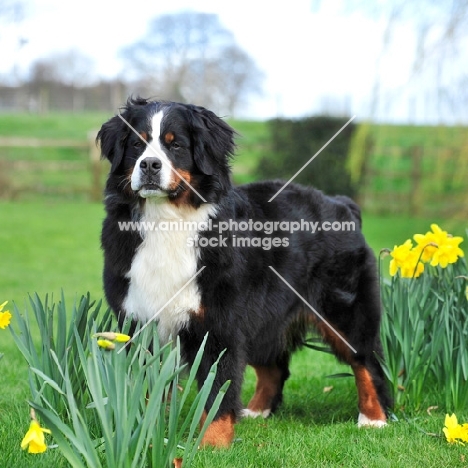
{"points": [[220, 432]]}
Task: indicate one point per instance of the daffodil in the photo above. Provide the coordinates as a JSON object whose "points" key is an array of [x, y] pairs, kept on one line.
{"points": [[34, 439], [106, 344], [438, 247], [455, 433], [106, 339], [448, 252], [413, 266], [405, 258], [121, 337], [427, 244], [5, 316], [399, 255], [113, 336]]}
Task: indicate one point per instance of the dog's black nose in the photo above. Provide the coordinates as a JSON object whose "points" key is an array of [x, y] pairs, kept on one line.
{"points": [[150, 166]]}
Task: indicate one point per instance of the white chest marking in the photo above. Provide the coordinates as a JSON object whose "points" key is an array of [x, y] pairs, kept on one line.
{"points": [[164, 262]]}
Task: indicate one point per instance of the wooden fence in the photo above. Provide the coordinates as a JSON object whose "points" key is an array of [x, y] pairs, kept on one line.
{"points": [[12, 172], [416, 181]]}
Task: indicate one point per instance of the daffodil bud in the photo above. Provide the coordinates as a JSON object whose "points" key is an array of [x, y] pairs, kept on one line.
{"points": [[113, 336], [106, 344]]}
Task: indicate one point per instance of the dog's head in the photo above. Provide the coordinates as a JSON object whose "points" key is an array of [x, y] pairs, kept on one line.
{"points": [[175, 152]]}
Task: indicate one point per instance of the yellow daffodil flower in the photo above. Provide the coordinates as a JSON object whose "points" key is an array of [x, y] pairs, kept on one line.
{"points": [[34, 439], [455, 433], [5, 316], [448, 252], [399, 255], [438, 247], [106, 344], [413, 266], [428, 243], [405, 258]]}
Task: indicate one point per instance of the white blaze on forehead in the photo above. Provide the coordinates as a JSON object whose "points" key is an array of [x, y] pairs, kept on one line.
{"points": [[154, 150]]}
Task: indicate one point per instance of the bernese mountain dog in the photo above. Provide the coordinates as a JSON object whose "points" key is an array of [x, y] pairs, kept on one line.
{"points": [[255, 266]]}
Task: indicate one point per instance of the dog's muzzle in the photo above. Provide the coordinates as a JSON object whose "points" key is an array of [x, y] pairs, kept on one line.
{"points": [[150, 167], [148, 178]]}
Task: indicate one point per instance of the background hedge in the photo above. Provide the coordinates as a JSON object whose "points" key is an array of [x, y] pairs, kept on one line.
{"points": [[294, 142]]}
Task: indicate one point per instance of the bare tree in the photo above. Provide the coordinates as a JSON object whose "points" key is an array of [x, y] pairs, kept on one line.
{"points": [[12, 13], [440, 31], [71, 69], [191, 57]]}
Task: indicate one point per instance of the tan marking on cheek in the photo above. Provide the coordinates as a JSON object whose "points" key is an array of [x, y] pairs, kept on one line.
{"points": [[181, 178], [169, 137], [368, 402], [268, 386], [178, 177], [220, 432]]}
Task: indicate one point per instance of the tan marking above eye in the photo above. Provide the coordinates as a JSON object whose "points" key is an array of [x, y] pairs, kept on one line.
{"points": [[169, 137], [144, 135]]}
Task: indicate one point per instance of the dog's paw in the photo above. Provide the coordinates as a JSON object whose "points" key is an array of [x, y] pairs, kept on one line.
{"points": [[248, 413], [364, 421]]}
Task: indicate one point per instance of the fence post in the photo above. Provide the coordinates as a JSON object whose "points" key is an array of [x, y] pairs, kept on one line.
{"points": [[96, 167], [364, 182], [415, 201]]}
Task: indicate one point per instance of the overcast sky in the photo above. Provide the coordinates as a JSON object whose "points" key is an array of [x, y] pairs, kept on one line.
{"points": [[311, 59]]}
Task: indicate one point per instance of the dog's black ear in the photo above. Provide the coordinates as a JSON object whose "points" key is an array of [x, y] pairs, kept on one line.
{"points": [[213, 140], [112, 138]]}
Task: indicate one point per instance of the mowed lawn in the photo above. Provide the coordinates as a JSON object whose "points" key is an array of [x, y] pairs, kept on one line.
{"points": [[50, 246]]}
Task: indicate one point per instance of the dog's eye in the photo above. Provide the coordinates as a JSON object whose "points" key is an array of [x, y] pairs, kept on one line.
{"points": [[138, 144], [175, 146]]}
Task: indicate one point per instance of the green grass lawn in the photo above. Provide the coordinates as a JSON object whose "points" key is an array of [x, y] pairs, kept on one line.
{"points": [[47, 246]]}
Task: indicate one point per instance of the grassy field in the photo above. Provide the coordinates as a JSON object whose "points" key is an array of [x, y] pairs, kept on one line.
{"points": [[49, 244]]}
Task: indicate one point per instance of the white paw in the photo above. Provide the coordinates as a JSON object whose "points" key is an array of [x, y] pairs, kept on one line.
{"points": [[247, 413], [364, 421]]}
